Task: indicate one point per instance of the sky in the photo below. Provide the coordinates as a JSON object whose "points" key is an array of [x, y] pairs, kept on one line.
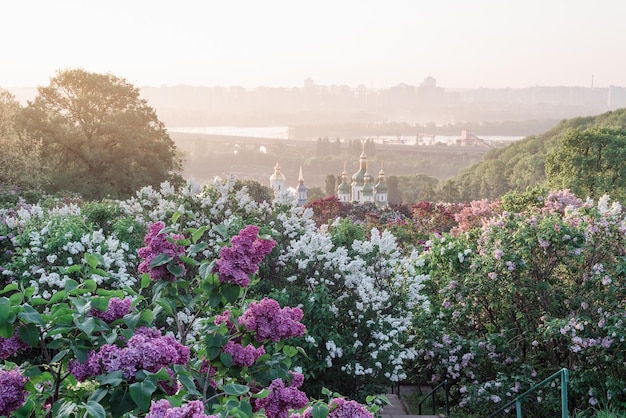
{"points": [[376, 43]]}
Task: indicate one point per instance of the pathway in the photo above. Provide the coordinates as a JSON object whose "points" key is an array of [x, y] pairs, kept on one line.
{"points": [[398, 409]]}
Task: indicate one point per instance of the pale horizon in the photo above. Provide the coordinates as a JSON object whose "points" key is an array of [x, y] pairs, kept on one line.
{"points": [[379, 44]]}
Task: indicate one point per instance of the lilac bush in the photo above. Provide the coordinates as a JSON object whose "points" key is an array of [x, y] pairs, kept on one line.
{"points": [[102, 340], [528, 290]]}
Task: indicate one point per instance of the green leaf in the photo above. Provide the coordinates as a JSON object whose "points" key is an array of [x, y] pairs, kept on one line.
{"points": [[222, 230], [175, 269], [231, 292], [90, 285], [189, 384], [9, 288], [70, 269], [5, 309], [188, 260], [205, 269], [58, 296], [197, 234], [70, 285], [226, 359], [29, 292], [16, 298], [141, 393], [29, 333], [175, 217], [91, 260], [86, 325], [319, 411], [114, 378], [235, 389], [6, 330], [59, 356], [145, 280], [165, 305], [262, 394], [159, 260]]}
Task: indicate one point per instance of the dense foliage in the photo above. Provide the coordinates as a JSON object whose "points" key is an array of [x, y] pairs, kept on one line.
{"points": [[101, 321], [99, 138], [536, 285], [522, 164]]}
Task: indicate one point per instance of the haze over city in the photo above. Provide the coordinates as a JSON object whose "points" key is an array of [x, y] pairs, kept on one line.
{"points": [[463, 44]]}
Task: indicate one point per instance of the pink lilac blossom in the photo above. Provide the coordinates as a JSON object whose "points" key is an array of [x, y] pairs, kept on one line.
{"points": [[243, 356], [242, 258], [163, 409], [146, 350], [12, 392], [158, 244], [282, 398], [10, 346], [341, 408], [117, 309], [269, 321]]}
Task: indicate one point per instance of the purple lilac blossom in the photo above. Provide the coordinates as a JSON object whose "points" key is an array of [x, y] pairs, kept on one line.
{"points": [[269, 321], [157, 244], [243, 356], [242, 258], [146, 350], [163, 409], [12, 393], [10, 346], [116, 310], [341, 408], [281, 399]]}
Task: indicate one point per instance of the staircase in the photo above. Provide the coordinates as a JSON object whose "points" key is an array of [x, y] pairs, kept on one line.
{"points": [[397, 409]]}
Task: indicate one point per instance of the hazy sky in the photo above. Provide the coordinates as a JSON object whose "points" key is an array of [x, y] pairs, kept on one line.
{"points": [[379, 43]]}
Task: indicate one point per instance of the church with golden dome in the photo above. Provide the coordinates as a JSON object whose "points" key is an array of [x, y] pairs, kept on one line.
{"points": [[362, 188]]}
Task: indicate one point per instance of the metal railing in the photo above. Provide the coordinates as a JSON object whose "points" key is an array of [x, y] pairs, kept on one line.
{"points": [[564, 373], [431, 394]]}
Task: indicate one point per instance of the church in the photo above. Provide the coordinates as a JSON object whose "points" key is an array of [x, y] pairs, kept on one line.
{"points": [[362, 188]]}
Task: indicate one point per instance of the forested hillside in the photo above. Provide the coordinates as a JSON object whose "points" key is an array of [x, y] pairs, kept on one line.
{"points": [[521, 164]]}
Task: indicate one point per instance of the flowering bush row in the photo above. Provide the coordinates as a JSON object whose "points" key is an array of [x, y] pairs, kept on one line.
{"points": [[95, 329], [531, 284]]}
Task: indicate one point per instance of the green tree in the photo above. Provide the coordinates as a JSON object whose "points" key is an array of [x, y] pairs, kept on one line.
{"points": [[256, 190], [330, 185], [20, 159], [98, 136], [590, 162]]}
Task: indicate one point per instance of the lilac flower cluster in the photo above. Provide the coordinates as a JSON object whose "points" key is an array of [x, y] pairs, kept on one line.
{"points": [[12, 393], [10, 346], [282, 398], [242, 258], [163, 409], [341, 408], [243, 356], [117, 308], [157, 244], [269, 321], [146, 350]]}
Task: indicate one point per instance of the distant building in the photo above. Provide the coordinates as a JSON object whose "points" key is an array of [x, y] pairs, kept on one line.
{"points": [[277, 180], [302, 197], [468, 139], [363, 188]]}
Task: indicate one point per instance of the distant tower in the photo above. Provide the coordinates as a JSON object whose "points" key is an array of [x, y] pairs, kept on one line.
{"points": [[367, 193], [301, 189], [358, 178], [343, 190], [277, 180], [380, 190]]}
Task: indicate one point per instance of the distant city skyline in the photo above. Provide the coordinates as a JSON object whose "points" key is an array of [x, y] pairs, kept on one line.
{"points": [[280, 43]]}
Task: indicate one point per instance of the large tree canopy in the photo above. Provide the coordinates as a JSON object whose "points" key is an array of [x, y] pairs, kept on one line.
{"points": [[19, 155], [99, 138], [590, 162]]}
